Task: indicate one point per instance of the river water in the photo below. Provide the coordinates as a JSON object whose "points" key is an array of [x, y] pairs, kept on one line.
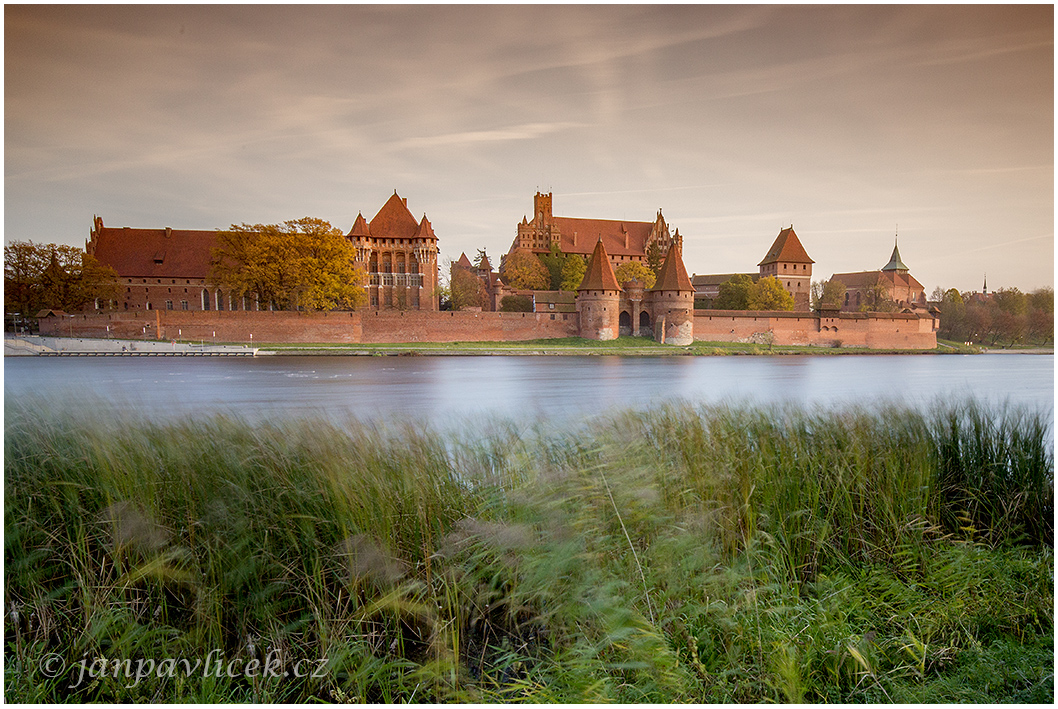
{"points": [[441, 390]]}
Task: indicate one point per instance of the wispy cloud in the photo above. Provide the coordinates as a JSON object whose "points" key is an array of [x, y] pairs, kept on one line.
{"points": [[528, 131]]}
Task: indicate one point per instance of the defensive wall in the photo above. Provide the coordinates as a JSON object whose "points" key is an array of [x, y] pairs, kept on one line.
{"points": [[368, 326], [899, 331]]}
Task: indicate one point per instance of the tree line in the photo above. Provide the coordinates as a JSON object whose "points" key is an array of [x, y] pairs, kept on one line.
{"points": [[1006, 317], [55, 276]]}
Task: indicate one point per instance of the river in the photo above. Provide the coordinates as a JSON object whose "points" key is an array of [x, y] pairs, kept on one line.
{"points": [[445, 389]]}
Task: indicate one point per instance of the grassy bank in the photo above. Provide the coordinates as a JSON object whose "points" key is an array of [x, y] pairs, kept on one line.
{"points": [[677, 555], [632, 346]]}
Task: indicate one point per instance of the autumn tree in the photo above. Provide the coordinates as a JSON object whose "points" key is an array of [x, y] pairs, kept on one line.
{"points": [[467, 290], [634, 270], [877, 298], [56, 276], [522, 270], [768, 294], [573, 272], [829, 295], [516, 304], [303, 263], [734, 293]]}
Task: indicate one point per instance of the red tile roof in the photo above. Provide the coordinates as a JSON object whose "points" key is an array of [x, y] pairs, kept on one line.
{"points": [[579, 236], [425, 230], [153, 253], [787, 249], [394, 220], [599, 274], [673, 274], [464, 262], [863, 279]]}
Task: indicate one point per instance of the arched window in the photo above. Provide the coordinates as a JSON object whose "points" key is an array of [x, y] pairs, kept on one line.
{"points": [[644, 320], [205, 299]]}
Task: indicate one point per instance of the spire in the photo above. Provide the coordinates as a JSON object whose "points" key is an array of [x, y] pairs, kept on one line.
{"points": [[599, 274], [359, 226], [673, 274], [895, 264], [984, 288]]}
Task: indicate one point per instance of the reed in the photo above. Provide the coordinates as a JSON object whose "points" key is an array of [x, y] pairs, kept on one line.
{"points": [[677, 554]]}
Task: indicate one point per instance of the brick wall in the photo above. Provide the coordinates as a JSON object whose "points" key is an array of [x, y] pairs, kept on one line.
{"points": [[411, 326], [875, 330]]}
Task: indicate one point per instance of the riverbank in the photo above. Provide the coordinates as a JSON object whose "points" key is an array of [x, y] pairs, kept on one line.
{"points": [[677, 555], [625, 346]]}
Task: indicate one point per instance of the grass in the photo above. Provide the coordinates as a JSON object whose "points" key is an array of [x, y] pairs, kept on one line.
{"points": [[680, 554]]}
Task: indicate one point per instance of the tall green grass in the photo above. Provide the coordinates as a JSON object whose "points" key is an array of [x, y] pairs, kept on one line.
{"points": [[673, 555]]}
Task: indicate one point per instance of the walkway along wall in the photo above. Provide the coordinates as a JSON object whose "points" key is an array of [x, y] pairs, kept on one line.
{"points": [[898, 331]]}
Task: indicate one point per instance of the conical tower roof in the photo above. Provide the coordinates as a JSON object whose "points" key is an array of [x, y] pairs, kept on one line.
{"points": [[425, 230], [359, 226], [599, 274], [464, 262], [673, 274], [895, 264]]}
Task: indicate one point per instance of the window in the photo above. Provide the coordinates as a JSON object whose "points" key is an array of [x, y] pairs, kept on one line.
{"points": [[168, 305], [148, 305], [183, 305]]}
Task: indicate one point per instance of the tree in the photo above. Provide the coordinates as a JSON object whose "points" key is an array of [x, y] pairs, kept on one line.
{"points": [[634, 270], [952, 296], [554, 261], [56, 276], [303, 263], [573, 272], [467, 289], [876, 298], [829, 295], [516, 304], [522, 270], [654, 257], [734, 293], [768, 294]]}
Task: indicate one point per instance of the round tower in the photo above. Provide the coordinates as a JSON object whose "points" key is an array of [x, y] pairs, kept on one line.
{"points": [[672, 302], [599, 298]]}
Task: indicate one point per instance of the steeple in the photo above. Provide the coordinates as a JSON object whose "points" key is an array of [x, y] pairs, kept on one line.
{"points": [[895, 264], [673, 274]]}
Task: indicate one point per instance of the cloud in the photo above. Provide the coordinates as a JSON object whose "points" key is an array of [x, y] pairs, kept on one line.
{"points": [[527, 131]]}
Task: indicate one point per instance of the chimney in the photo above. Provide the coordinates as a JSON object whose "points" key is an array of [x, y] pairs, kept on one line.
{"points": [[168, 232]]}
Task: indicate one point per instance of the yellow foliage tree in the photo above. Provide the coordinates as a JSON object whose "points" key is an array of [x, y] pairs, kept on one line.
{"points": [[634, 270], [768, 294], [522, 270], [304, 263]]}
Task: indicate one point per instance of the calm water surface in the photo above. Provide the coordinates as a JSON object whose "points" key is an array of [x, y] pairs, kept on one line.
{"points": [[446, 389]]}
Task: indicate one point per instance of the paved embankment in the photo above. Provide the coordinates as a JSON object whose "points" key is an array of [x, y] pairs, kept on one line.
{"points": [[32, 345]]}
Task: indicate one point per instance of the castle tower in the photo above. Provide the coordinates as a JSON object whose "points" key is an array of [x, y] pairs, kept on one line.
{"points": [[672, 301], [788, 261], [599, 298]]}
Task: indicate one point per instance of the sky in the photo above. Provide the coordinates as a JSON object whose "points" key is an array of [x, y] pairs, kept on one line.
{"points": [[854, 124]]}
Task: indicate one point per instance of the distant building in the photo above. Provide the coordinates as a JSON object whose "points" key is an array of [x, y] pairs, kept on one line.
{"points": [[788, 261], [399, 255], [624, 241], [892, 281], [168, 268]]}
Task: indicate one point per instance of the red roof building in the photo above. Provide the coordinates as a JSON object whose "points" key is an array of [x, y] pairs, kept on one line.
{"points": [[892, 282], [624, 241], [788, 261]]}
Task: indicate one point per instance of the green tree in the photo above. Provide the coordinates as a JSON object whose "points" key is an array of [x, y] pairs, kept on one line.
{"points": [[768, 294], [302, 263], [734, 293], [654, 257], [522, 270], [516, 304], [829, 295], [573, 272], [634, 270], [554, 261]]}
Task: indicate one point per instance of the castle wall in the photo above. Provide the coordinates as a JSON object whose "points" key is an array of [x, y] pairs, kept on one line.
{"points": [[599, 314], [873, 330], [333, 327]]}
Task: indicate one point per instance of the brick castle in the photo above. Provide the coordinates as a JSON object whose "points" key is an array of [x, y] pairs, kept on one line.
{"points": [[167, 293]]}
